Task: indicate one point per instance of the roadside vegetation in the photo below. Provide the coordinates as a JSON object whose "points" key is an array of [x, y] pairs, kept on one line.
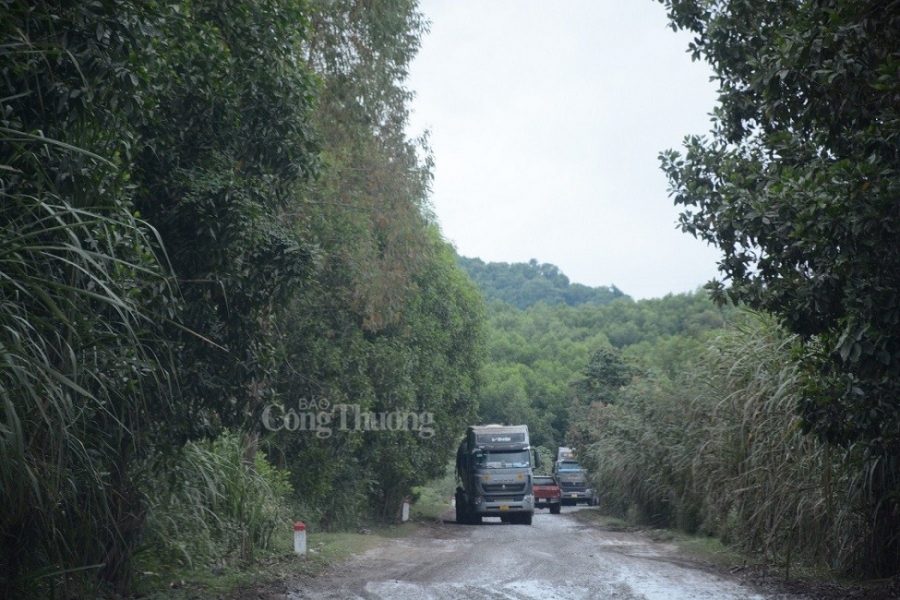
{"points": [[783, 437], [778, 432], [214, 229], [225, 304], [275, 567], [721, 452]]}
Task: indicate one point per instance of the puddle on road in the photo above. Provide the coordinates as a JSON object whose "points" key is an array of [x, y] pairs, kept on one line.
{"points": [[519, 590], [553, 560], [637, 588], [675, 583], [621, 586]]}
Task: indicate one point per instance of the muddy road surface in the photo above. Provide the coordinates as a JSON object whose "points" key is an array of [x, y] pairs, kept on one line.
{"points": [[555, 558]]}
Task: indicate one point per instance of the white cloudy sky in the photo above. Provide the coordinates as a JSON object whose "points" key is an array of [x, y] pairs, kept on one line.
{"points": [[546, 121]]}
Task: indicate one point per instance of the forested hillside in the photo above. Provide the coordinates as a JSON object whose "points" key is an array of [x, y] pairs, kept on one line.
{"points": [[525, 284], [539, 344], [216, 245]]}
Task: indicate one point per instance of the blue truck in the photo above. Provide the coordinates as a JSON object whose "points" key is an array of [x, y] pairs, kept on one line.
{"points": [[572, 478]]}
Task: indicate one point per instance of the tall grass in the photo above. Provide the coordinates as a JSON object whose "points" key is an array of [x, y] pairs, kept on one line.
{"points": [[78, 376], [764, 483], [76, 372], [723, 452], [213, 504], [74, 368]]}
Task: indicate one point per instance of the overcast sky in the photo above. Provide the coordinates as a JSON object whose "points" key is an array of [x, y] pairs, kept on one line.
{"points": [[546, 121]]}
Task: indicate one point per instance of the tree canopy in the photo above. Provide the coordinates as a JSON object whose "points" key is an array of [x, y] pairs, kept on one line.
{"points": [[797, 184], [525, 284], [547, 362]]}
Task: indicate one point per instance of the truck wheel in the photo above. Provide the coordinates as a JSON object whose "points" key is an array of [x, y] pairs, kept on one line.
{"points": [[464, 515], [526, 518], [554, 509], [474, 519]]}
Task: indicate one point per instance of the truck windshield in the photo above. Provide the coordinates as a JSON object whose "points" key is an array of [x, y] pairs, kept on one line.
{"points": [[516, 459], [569, 467]]}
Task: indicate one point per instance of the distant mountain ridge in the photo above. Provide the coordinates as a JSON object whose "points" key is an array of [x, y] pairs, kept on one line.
{"points": [[525, 284]]}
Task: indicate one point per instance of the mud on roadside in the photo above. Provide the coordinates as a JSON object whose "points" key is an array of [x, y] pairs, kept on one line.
{"points": [[757, 576]]}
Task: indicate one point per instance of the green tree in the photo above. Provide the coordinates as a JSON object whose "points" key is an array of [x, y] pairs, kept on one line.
{"points": [[387, 322], [798, 184], [226, 140], [604, 376], [535, 354], [798, 187], [526, 284], [192, 115], [435, 371]]}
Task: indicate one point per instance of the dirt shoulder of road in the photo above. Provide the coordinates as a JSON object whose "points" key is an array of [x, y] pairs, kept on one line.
{"points": [[330, 552], [710, 555], [271, 577]]}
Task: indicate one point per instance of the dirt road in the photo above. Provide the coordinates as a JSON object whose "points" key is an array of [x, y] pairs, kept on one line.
{"points": [[555, 558]]}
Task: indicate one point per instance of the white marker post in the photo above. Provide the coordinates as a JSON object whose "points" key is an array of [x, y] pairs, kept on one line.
{"points": [[299, 538], [404, 514]]}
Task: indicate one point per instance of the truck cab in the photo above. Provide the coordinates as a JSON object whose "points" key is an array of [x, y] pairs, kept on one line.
{"points": [[494, 471], [572, 478]]}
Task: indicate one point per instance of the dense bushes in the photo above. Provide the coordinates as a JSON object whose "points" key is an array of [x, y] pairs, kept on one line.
{"points": [[210, 503], [722, 452]]}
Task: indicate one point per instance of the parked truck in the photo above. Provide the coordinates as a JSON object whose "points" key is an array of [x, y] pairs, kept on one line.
{"points": [[572, 478], [493, 468]]}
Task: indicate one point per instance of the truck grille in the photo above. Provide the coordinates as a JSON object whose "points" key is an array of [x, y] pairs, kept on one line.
{"points": [[503, 488], [510, 499], [573, 486]]}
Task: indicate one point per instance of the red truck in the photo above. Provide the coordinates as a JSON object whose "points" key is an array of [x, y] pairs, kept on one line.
{"points": [[546, 493]]}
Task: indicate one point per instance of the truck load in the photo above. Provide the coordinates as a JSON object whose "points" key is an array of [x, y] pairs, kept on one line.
{"points": [[572, 478], [493, 468]]}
